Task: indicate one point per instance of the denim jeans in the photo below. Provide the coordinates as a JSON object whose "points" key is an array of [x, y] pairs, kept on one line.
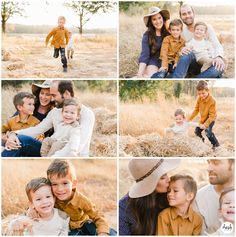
{"points": [[30, 147], [210, 135], [184, 66], [63, 55], [164, 74], [89, 228]]}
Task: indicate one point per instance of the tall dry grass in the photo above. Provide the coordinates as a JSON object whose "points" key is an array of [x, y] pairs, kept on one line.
{"points": [[97, 179], [104, 105], [131, 29]]}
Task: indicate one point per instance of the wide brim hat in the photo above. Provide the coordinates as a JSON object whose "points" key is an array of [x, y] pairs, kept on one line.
{"points": [[36, 87], [147, 172], [155, 10]]}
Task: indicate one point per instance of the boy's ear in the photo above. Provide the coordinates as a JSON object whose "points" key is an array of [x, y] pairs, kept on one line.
{"points": [[74, 183], [18, 107], [190, 196]]}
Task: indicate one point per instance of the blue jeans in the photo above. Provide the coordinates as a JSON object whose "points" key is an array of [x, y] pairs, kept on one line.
{"points": [[30, 147], [187, 61], [164, 74], [63, 55], [210, 135]]}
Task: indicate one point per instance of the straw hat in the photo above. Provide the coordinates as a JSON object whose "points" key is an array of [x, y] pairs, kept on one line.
{"points": [[36, 87], [155, 10], [146, 173]]}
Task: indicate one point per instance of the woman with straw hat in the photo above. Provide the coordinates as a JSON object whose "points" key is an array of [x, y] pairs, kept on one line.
{"points": [[155, 21], [147, 197]]}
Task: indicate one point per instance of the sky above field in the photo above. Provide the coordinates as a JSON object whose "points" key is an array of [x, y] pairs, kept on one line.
{"points": [[225, 83], [40, 13], [210, 2]]}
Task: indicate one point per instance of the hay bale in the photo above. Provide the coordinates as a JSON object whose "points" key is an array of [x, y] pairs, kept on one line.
{"points": [[226, 37], [6, 55], [15, 65]]}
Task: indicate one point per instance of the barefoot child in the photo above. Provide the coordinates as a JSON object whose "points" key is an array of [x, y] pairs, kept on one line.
{"points": [[70, 46], [170, 49], [180, 218], [67, 137], [50, 221], [206, 106], [60, 39], [181, 126]]}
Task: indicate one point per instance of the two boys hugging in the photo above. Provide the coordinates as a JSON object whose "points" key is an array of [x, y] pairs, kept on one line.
{"points": [[56, 207]]}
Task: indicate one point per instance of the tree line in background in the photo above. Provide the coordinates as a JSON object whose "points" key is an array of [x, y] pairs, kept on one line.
{"points": [[138, 90], [101, 86]]}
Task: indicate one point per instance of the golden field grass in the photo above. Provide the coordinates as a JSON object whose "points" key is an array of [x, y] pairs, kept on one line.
{"points": [[104, 105], [97, 179], [198, 171], [142, 126], [131, 29], [25, 55]]}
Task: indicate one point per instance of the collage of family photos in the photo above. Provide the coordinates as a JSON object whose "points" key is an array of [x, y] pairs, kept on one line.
{"points": [[117, 118]]}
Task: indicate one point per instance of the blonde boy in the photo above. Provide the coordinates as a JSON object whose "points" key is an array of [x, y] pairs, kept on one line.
{"points": [[67, 137], [60, 39], [85, 219], [206, 106], [179, 218], [50, 221], [24, 104]]}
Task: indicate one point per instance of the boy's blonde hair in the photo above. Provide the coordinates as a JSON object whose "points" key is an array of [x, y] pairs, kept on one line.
{"points": [[176, 22], [202, 85], [61, 18], [61, 168], [19, 97], [34, 185], [180, 112], [200, 23], [223, 194], [190, 185]]}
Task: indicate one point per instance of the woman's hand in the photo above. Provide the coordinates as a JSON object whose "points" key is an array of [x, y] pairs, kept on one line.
{"points": [[12, 143]]}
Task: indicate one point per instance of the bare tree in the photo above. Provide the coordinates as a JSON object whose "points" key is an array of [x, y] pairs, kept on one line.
{"points": [[9, 9], [86, 9]]}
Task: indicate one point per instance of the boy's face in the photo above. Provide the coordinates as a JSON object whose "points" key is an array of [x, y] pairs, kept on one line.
{"points": [[179, 119], [203, 93], [175, 31], [219, 171], [62, 187], [61, 22], [69, 114], [227, 207], [200, 32], [27, 107], [43, 200], [176, 194]]}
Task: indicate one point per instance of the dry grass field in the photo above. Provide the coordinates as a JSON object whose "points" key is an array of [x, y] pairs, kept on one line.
{"points": [[25, 56], [198, 171], [142, 129], [97, 179], [132, 28], [104, 138]]}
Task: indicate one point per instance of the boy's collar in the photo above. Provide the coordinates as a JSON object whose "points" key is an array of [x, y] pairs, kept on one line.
{"points": [[189, 214]]}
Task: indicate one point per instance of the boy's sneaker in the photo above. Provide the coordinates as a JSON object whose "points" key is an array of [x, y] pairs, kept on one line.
{"points": [[214, 147], [71, 56], [203, 139], [64, 69]]}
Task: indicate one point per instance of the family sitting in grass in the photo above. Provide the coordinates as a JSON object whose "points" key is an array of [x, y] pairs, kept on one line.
{"points": [[49, 122], [176, 51], [159, 205], [56, 207], [206, 107]]}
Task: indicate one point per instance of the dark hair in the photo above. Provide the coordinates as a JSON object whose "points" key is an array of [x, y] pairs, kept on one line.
{"points": [[202, 85], [152, 34], [190, 185], [145, 211], [61, 168], [176, 22], [18, 98], [223, 194], [185, 5], [66, 85], [34, 185]]}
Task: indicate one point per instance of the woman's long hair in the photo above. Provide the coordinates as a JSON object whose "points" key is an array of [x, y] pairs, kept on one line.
{"points": [[152, 34], [145, 210]]}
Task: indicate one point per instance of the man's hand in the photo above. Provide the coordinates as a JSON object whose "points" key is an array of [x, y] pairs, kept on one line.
{"points": [[12, 142], [185, 51], [219, 64]]}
